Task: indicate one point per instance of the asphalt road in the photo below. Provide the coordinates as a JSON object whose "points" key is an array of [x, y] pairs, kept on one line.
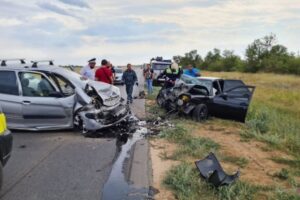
{"points": [[65, 165]]}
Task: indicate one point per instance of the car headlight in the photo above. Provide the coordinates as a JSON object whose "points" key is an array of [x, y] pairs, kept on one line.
{"points": [[185, 98]]}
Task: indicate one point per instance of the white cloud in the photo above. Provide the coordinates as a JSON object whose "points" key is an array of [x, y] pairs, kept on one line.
{"points": [[124, 31], [9, 22]]}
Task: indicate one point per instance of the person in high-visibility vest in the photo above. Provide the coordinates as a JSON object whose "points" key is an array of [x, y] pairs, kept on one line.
{"points": [[171, 74]]}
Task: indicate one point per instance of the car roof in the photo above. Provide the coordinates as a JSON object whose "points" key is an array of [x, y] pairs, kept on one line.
{"points": [[28, 67], [161, 62]]}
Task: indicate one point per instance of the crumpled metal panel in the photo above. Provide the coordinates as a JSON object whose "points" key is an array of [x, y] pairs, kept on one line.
{"points": [[212, 171]]}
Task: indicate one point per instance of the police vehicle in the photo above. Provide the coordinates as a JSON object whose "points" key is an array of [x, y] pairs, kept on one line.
{"points": [[158, 65]]}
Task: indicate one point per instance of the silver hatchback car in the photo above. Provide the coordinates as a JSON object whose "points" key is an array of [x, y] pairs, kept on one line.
{"points": [[48, 97]]}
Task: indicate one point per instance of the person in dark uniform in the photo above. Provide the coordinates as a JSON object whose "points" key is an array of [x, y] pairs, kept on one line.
{"points": [[129, 77]]}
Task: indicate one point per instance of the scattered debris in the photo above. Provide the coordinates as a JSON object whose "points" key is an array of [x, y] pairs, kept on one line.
{"points": [[211, 170], [23, 146], [152, 191]]}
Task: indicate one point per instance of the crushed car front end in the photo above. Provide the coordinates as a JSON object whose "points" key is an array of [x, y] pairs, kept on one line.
{"points": [[93, 119], [103, 107]]}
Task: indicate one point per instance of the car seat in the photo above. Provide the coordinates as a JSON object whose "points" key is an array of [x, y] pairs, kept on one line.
{"points": [[27, 91]]}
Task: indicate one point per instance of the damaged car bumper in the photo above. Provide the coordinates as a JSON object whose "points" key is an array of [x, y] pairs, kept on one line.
{"points": [[98, 119]]}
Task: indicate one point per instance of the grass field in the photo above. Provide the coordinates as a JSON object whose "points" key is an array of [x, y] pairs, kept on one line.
{"points": [[274, 114], [273, 118]]}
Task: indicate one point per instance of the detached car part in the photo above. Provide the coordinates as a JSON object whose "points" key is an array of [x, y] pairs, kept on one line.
{"points": [[211, 170]]}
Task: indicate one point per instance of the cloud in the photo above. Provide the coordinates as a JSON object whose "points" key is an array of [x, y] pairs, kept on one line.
{"points": [[78, 3], [5, 22], [54, 8], [134, 31]]}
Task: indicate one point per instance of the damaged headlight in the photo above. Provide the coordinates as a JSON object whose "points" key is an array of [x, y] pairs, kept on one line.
{"points": [[183, 100]]}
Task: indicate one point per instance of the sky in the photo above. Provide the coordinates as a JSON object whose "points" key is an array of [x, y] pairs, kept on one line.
{"points": [[134, 31]]}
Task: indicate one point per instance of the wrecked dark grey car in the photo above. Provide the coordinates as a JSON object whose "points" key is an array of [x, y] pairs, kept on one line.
{"points": [[48, 97], [207, 96]]}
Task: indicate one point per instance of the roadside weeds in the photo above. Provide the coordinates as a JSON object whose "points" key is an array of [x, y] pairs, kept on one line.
{"points": [[190, 141]]}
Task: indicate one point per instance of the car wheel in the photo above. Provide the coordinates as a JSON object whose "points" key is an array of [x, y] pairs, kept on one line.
{"points": [[200, 113], [80, 126], [1, 175], [160, 100]]}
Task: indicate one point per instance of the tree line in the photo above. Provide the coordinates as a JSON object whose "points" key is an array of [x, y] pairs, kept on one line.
{"points": [[262, 55]]}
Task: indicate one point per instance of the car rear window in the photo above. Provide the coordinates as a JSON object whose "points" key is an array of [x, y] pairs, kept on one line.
{"points": [[8, 83], [160, 66], [118, 71]]}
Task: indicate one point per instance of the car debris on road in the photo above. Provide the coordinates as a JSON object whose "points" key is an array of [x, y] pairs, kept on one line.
{"points": [[212, 171]]}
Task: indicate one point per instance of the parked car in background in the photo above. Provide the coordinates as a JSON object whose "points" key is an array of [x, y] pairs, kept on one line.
{"points": [[118, 76], [48, 97], [208, 96], [158, 65], [5, 144]]}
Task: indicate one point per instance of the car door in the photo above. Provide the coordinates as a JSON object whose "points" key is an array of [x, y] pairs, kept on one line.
{"points": [[43, 105], [10, 99], [233, 101]]}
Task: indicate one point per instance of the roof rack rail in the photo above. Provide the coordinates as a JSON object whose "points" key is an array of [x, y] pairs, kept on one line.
{"points": [[3, 61], [35, 62]]}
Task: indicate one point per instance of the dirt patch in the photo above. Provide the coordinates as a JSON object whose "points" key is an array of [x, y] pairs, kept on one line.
{"points": [[150, 102], [260, 168], [159, 148]]}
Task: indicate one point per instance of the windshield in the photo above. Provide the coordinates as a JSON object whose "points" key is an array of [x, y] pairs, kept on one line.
{"points": [[74, 77], [160, 66], [196, 81], [119, 71]]}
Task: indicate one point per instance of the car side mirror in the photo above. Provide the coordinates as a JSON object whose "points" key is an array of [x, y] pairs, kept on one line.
{"points": [[55, 94]]}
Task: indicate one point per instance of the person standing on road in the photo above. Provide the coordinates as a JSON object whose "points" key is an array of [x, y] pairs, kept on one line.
{"points": [[148, 74], [192, 71], [88, 71], [129, 77], [104, 73], [113, 71]]}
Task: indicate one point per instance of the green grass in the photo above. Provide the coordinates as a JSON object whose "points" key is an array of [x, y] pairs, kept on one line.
{"points": [[273, 117], [154, 93], [184, 180], [239, 161], [189, 146], [274, 114], [273, 126], [283, 174]]}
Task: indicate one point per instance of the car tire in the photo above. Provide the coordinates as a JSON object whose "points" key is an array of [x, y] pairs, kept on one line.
{"points": [[200, 113], [160, 100], [1, 175]]}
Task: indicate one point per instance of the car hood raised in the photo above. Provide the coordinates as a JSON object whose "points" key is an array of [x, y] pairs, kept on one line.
{"points": [[109, 94]]}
